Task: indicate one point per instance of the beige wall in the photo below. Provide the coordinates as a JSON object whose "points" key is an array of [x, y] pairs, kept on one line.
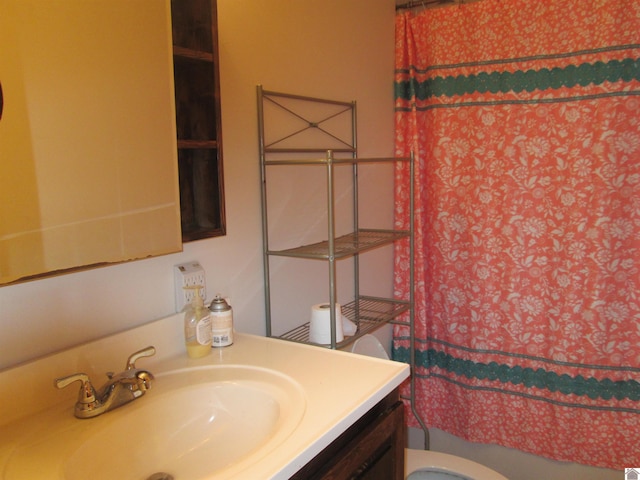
{"points": [[330, 48]]}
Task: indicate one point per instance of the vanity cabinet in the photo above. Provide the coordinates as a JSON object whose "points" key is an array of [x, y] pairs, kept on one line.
{"points": [[371, 449], [315, 123], [197, 99]]}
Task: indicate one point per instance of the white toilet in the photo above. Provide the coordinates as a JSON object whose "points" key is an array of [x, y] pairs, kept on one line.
{"points": [[425, 464]]}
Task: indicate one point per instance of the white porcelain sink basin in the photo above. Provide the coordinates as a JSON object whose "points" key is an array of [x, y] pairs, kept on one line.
{"points": [[191, 424]]}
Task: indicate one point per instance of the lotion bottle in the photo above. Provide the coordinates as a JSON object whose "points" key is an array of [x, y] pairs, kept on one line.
{"points": [[197, 326]]}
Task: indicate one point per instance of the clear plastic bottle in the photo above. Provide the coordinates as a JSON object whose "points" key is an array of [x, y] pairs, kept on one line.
{"points": [[197, 326]]}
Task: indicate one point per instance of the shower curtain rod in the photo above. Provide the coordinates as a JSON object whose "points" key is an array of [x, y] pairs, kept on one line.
{"points": [[431, 3]]}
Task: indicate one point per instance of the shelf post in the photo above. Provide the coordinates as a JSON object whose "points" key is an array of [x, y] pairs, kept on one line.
{"points": [[265, 223], [356, 210], [331, 228]]}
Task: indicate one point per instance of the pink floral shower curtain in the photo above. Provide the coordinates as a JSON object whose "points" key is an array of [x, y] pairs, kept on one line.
{"points": [[525, 120]]}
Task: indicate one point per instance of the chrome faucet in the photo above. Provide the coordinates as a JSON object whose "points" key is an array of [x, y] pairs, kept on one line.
{"points": [[120, 389]]}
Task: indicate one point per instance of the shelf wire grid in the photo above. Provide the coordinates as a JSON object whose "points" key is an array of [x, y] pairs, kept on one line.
{"points": [[346, 245], [368, 313]]}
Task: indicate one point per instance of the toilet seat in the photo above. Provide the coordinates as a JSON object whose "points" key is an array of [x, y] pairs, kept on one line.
{"points": [[423, 460]]}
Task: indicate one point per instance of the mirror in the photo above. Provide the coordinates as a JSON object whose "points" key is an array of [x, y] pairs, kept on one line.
{"points": [[88, 159]]}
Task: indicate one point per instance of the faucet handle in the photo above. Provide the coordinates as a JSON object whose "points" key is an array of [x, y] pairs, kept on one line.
{"points": [[86, 395], [145, 352]]}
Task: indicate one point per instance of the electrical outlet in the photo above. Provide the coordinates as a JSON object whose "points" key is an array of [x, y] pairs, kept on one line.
{"points": [[187, 275]]}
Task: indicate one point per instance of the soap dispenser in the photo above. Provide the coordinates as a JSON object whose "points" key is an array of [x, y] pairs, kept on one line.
{"points": [[197, 326]]}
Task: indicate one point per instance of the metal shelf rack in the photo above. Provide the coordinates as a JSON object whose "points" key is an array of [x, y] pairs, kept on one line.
{"points": [[367, 312]]}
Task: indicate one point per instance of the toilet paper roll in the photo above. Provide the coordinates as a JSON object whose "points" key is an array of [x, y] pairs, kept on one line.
{"points": [[320, 324]]}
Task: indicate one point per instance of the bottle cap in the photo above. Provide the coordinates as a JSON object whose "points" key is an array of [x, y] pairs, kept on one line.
{"points": [[219, 304]]}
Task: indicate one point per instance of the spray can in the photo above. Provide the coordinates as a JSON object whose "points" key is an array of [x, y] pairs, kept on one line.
{"points": [[221, 322]]}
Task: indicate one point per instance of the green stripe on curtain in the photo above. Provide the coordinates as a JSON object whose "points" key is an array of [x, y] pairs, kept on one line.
{"points": [[502, 82], [540, 378]]}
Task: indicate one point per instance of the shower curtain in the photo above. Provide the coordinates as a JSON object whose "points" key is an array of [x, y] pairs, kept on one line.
{"points": [[524, 117]]}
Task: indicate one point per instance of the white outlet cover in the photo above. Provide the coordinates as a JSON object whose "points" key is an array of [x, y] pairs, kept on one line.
{"points": [[185, 275]]}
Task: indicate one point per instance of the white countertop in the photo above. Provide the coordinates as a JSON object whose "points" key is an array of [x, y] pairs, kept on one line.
{"points": [[338, 389]]}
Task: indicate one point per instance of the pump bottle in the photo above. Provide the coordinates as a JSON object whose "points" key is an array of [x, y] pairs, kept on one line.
{"points": [[197, 326]]}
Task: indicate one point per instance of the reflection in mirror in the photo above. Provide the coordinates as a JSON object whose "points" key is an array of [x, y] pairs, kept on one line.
{"points": [[88, 162]]}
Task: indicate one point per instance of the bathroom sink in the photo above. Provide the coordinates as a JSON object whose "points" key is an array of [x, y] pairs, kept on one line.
{"points": [[193, 423]]}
